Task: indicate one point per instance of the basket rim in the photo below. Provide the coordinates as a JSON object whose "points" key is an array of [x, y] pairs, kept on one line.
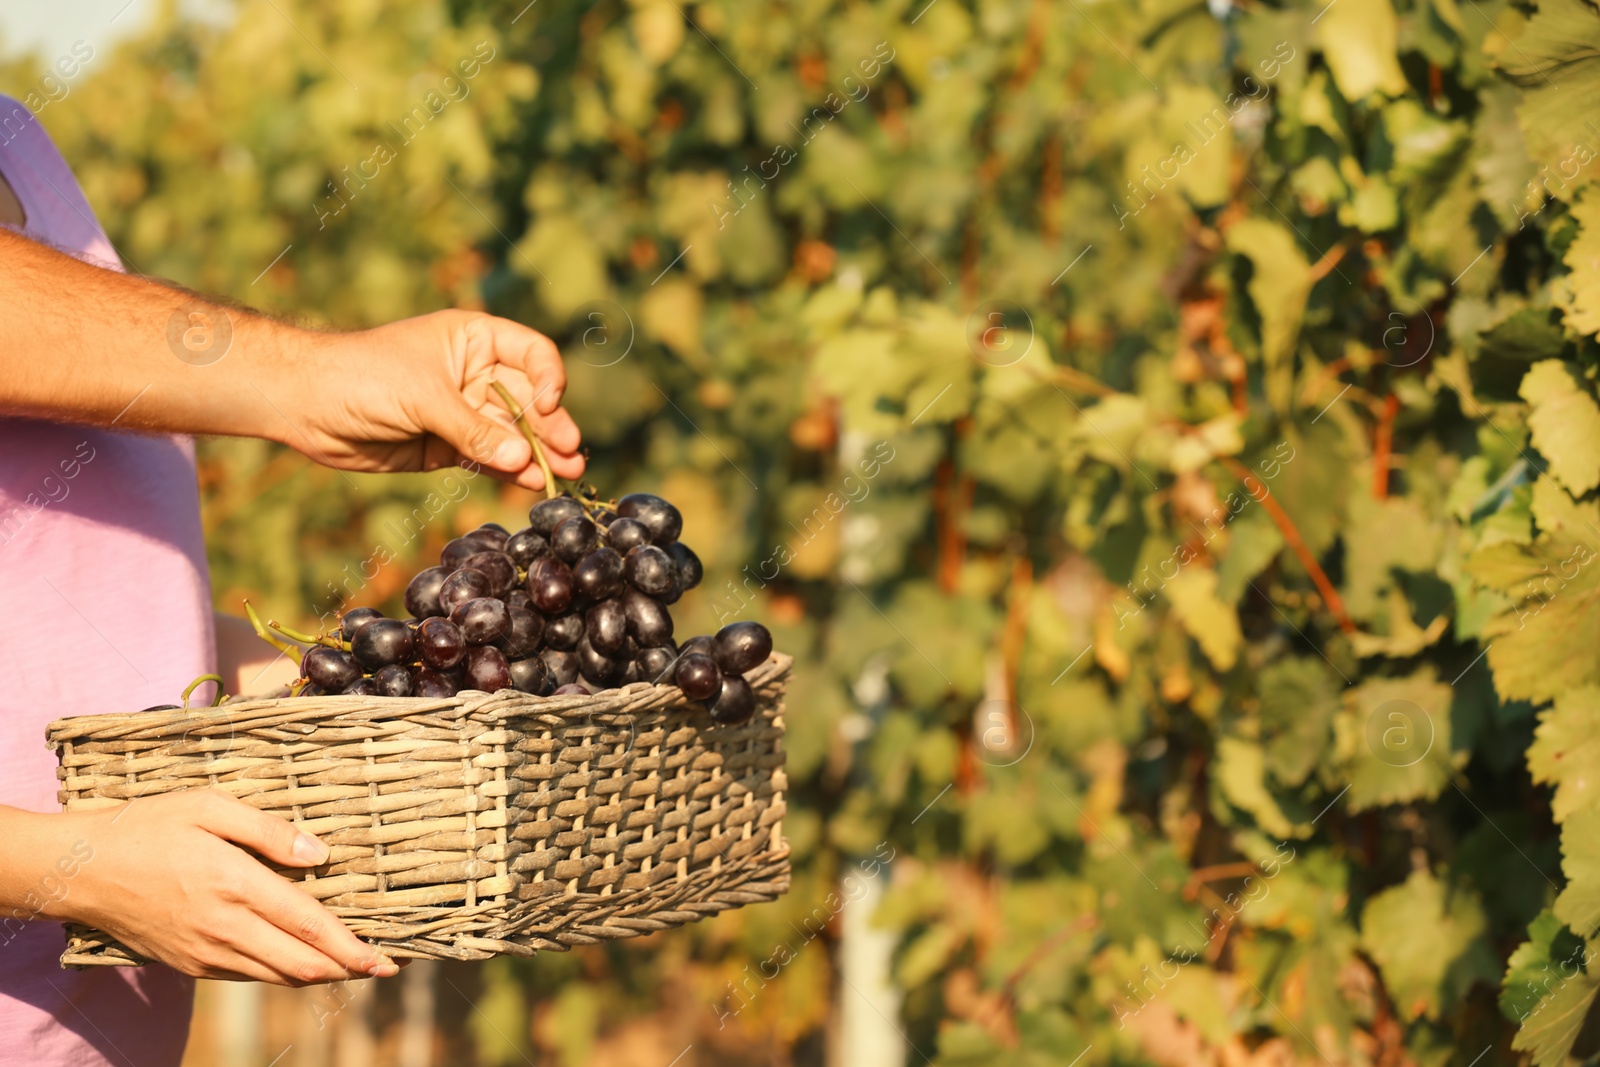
{"points": [[503, 704]]}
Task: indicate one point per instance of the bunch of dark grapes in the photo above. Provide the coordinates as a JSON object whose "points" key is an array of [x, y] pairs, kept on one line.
{"points": [[575, 603]]}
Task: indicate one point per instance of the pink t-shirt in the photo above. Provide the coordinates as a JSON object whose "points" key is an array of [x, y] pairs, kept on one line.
{"points": [[104, 606]]}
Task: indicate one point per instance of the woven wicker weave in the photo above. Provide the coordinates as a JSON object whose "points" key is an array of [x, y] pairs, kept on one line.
{"points": [[479, 824]]}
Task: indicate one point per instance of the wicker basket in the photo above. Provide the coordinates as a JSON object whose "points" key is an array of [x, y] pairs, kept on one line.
{"points": [[480, 824]]}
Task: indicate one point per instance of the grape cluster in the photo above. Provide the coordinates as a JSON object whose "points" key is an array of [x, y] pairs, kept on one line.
{"points": [[575, 603]]}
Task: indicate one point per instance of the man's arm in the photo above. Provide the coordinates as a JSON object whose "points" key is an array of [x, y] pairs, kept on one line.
{"points": [[85, 344]]}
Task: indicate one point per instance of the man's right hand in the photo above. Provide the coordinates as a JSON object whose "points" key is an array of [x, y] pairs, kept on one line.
{"points": [[169, 879]]}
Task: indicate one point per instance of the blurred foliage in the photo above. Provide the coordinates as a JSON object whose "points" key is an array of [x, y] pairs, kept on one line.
{"points": [[1138, 419]]}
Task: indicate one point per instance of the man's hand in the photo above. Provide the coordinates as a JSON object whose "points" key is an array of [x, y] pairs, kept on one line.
{"points": [[168, 878], [416, 395], [85, 344]]}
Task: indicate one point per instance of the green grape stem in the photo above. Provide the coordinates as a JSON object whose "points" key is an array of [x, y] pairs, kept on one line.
{"points": [[216, 701], [269, 637], [326, 640], [518, 417]]}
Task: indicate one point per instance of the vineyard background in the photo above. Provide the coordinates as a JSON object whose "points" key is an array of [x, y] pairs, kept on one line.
{"points": [[1225, 373]]}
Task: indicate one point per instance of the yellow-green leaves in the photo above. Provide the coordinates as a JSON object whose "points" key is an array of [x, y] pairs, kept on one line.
{"points": [[1279, 283], [1566, 425], [1583, 260], [1358, 40]]}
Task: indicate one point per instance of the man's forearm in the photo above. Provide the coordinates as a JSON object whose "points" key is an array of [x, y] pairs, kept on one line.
{"points": [[81, 343]]}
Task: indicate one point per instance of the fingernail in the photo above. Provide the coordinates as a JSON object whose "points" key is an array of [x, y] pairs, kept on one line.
{"points": [[382, 966], [309, 850]]}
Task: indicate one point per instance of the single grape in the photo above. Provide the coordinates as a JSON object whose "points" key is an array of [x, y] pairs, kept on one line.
{"points": [[664, 520], [701, 643], [648, 622], [500, 568], [382, 642], [563, 631], [422, 594], [627, 534], [596, 667], [742, 646], [563, 666], [456, 552], [574, 538], [355, 619], [525, 546], [518, 598], [531, 676], [527, 630], [361, 687], [550, 586], [606, 626], [631, 672], [546, 515], [440, 643], [736, 702], [650, 570], [429, 683], [698, 676], [598, 575], [393, 681], [656, 665], [330, 668], [571, 689], [690, 569], [483, 620], [492, 534], [487, 669], [464, 585]]}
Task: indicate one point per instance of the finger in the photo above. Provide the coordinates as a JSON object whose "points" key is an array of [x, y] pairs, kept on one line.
{"points": [[275, 838], [485, 437], [559, 433], [285, 956], [536, 356], [292, 911]]}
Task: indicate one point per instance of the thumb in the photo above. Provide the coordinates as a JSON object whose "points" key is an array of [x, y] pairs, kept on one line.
{"points": [[481, 439], [271, 836]]}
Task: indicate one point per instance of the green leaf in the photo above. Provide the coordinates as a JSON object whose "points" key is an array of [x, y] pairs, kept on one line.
{"points": [[1279, 283], [1212, 623], [1566, 751], [1583, 260], [1549, 1032], [1395, 738], [1429, 943], [1530, 976], [1299, 697], [1579, 903], [1556, 113], [1524, 336], [1543, 641], [1358, 41], [1240, 773], [1566, 425]]}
